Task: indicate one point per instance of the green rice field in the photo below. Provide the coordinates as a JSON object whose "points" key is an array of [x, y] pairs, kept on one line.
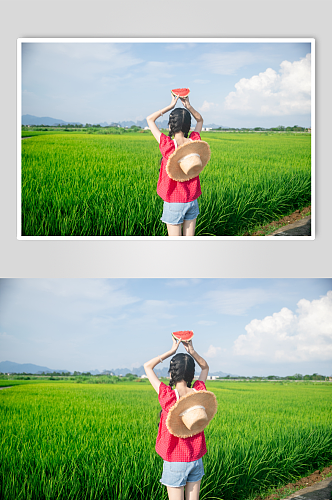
{"points": [[105, 185], [82, 441]]}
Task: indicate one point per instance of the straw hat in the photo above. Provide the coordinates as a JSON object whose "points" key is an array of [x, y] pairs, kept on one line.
{"points": [[191, 414], [188, 160]]}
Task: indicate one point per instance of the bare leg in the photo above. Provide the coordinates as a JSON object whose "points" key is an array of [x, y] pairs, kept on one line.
{"points": [[192, 490], [175, 493], [189, 227], [174, 229]]}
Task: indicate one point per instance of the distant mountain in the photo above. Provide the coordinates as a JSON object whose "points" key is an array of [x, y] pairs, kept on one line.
{"points": [[222, 374], [144, 123], [140, 371], [164, 124], [159, 123], [10, 367], [94, 372], [212, 125], [163, 372], [127, 124], [44, 120], [48, 121]]}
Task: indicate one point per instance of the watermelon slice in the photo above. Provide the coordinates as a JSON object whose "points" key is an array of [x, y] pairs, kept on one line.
{"points": [[180, 92], [185, 336]]}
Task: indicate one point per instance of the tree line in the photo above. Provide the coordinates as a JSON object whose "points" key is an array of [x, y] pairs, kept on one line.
{"points": [[132, 376]]}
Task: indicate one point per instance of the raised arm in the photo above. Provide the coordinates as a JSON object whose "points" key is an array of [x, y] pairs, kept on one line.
{"points": [[201, 362], [196, 115], [152, 118], [149, 365]]}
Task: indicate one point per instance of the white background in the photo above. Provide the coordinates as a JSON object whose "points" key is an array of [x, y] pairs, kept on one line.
{"points": [[166, 258]]}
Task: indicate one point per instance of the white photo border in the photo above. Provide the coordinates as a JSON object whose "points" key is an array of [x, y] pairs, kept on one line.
{"points": [[21, 41]]}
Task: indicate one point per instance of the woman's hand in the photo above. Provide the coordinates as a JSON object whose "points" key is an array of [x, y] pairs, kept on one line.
{"points": [[174, 100], [185, 102], [149, 365], [202, 363], [196, 115], [189, 346], [175, 346]]}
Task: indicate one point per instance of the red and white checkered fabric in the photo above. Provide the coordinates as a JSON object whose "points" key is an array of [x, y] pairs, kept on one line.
{"points": [[169, 447], [174, 191]]}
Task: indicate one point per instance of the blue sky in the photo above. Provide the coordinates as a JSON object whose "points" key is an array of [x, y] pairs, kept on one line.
{"points": [[241, 326], [232, 84]]}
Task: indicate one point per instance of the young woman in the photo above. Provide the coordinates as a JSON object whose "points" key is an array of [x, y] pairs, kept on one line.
{"points": [[183, 466], [180, 198]]}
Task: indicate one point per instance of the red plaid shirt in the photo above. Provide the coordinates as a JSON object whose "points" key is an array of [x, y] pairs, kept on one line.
{"points": [[169, 447], [174, 191]]}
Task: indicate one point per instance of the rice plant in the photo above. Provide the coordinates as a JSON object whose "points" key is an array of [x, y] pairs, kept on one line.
{"points": [[89, 441], [105, 185]]}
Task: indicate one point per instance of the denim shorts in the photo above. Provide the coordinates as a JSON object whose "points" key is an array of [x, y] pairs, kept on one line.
{"points": [[177, 474], [176, 213]]}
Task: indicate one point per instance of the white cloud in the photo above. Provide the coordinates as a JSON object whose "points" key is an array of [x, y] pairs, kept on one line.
{"points": [[83, 296], [226, 63], [109, 82], [174, 283], [275, 94], [152, 311], [207, 323], [118, 55], [46, 310], [202, 81], [177, 283], [236, 302], [286, 336], [75, 62], [27, 93], [207, 106], [180, 46], [212, 352], [156, 70], [6, 336]]}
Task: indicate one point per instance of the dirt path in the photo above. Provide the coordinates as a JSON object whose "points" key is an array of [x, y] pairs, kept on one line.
{"points": [[314, 487], [320, 491], [6, 387], [296, 224], [301, 227]]}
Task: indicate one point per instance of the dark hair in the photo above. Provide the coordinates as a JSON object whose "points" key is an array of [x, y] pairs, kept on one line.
{"points": [[179, 121], [181, 367]]}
